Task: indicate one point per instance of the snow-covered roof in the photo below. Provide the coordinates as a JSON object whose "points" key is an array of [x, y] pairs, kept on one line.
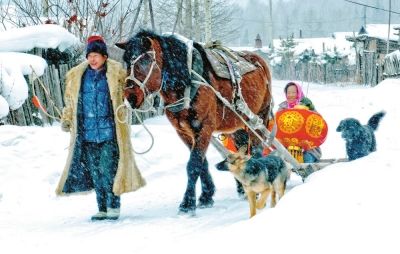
{"points": [[13, 66], [318, 44], [40, 36], [379, 31]]}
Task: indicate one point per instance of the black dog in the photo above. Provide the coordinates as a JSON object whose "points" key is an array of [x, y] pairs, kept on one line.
{"points": [[360, 139]]}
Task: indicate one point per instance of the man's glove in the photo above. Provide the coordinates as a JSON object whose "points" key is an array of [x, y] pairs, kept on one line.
{"points": [[307, 102], [66, 126]]}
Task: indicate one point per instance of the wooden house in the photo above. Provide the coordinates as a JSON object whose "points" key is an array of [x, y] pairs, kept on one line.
{"points": [[371, 44]]}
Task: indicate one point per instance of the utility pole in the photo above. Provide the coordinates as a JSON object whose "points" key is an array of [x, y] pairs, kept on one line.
{"points": [[388, 41], [365, 17]]}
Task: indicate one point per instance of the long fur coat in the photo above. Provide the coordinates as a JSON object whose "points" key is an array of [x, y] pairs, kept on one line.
{"points": [[74, 179]]}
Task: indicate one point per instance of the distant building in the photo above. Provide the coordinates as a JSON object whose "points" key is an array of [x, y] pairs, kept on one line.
{"points": [[374, 38], [371, 44]]}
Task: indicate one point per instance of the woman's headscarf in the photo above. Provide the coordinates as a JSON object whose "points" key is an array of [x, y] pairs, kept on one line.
{"points": [[299, 96]]}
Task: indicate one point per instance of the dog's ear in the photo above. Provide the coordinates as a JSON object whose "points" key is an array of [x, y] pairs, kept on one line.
{"points": [[243, 150], [221, 166], [340, 127], [231, 158]]}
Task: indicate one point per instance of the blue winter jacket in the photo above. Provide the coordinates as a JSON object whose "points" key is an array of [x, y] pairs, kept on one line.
{"points": [[96, 115]]}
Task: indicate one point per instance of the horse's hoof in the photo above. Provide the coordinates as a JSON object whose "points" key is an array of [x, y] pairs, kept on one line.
{"points": [[208, 205], [187, 206], [187, 213], [205, 203]]}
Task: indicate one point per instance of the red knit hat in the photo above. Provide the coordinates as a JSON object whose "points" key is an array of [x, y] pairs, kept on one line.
{"points": [[96, 43], [95, 38]]}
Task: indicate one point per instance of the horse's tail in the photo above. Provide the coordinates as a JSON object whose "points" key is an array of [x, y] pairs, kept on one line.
{"points": [[267, 71], [266, 109]]}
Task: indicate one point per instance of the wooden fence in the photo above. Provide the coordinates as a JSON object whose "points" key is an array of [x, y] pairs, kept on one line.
{"points": [[53, 80], [314, 72], [368, 70]]}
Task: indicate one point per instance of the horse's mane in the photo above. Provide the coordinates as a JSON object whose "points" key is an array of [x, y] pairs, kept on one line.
{"points": [[175, 70], [206, 64]]}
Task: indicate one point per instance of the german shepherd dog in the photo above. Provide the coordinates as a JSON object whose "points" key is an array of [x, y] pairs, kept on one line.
{"points": [[360, 139], [258, 175]]}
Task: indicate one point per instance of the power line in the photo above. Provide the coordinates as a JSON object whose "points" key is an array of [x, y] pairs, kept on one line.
{"points": [[301, 22], [370, 6]]}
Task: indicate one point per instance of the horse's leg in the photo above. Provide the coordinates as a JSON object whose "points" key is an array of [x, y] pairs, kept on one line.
{"points": [[193, 170], [198, 166], [207, 187], [203, 134]]}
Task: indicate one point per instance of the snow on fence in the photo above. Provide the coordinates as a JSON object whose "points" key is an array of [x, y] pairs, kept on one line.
{"points": [[391, 65]]}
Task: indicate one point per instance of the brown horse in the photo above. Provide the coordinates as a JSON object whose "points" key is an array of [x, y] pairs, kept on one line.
{"points": [[160, 64]]}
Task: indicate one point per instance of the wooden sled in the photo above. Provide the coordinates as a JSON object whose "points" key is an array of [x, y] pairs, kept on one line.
{"points": [[297, 130]]}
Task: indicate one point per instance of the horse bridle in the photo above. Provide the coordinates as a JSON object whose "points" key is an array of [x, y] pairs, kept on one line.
{"points": [[142, 84]]}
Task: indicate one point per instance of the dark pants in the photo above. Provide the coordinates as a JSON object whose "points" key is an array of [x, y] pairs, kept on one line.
{"points": [[102, 161]]}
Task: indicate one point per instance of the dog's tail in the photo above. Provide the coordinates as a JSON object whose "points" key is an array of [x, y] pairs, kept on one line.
{"points": [[373, 122]]}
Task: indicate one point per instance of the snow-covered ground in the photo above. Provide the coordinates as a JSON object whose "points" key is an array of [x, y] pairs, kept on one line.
{"points": [[348, 207]]}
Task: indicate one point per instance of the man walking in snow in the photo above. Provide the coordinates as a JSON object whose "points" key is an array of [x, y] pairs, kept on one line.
{"points": [[100, 152]]}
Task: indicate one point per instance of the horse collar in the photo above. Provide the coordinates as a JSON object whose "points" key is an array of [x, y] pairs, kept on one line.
{"points": [[189, 93]]}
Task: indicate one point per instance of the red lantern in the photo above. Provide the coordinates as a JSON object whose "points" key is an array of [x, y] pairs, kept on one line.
{"points": [[301, 127]]}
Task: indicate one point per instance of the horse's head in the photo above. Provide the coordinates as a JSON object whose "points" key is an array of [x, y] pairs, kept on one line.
{"points": [[144, 73]]}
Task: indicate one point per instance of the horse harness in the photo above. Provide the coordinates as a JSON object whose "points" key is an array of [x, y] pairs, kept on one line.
{"points": [[196, 80], [254, 121], [142, 84]]}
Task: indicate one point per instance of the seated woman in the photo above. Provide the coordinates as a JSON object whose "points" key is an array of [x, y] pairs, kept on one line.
{"points": [[295, 99]]}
